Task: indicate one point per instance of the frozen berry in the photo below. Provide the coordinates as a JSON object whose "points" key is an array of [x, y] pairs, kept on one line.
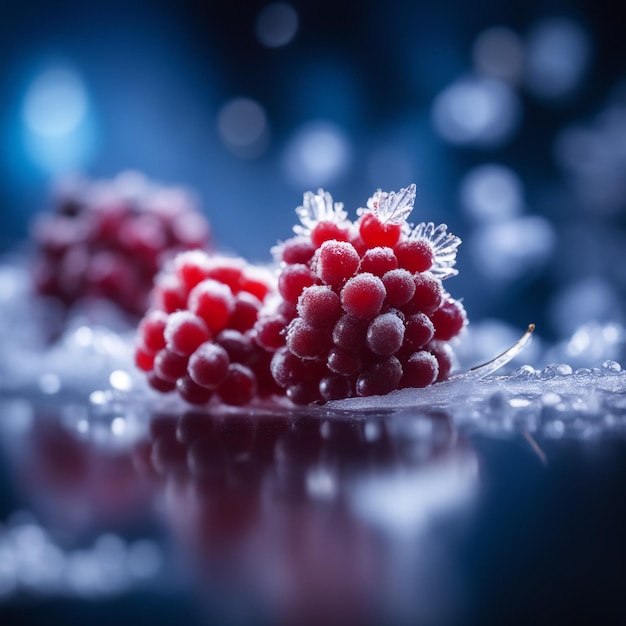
{"points": [[208, 365], [306, 341], [245, 312], [380, 378], [378, 261], [239, 346], [269, 332], [239, 386], [349, 332], [192, 268], [293, 280], [144, 360], [445, 357], [428, 294], [414, 255], [168, 294], [151, 331], [400, 287], [385, 334], [420, 369], [448, 320], [336, 262], [418, 332], [375, 233], [319, 306], [363, 295], [213, 302], [327, 231], [287, 368], [335, 387], [192, 392], [170, 366], [160, 384], [184, 332], [344, 362], [305, 392], [298, 250]]}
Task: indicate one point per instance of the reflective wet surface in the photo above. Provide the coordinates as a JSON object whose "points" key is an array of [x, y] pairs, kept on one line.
{"points": [[279, 517]]}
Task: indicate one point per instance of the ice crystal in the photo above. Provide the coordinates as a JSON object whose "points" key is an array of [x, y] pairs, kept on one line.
{"points": [[319, 207], [391, 207], [443, 244]]}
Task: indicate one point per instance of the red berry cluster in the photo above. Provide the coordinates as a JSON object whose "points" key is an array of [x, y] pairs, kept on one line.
{"points": [[358, 309], [108, 239], [364, 311], [198, 336]]}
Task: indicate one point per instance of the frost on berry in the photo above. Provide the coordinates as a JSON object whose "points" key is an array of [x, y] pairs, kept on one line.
{"points": [[443, 245], [380, 378], [184, 332], [385, 334], [319, 208], [420, 369], [336, 262], [363, 295], [392, 207], [319, 306], [213, 301]]}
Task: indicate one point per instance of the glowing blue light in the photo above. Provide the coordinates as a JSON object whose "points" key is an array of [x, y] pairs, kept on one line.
{"points": [[56, 103], [558, 53], [476, 110], [318, 153], [58, 132], [491, 192]]}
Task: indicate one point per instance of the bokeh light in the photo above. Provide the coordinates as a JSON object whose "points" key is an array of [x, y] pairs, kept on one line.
{"points": [[276, 25]]}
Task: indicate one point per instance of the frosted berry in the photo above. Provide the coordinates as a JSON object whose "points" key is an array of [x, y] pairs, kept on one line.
{"points": [[208, 365], [344, 362], [319, 306], [293, 280], [414, 256], [378, 261], [428, 294], [298, 250], [350, 332], [327, 231], [445, 358], [335, 387], [420, 369], [213, 302], [375, 233], [336, 262], [170, 366], [380, 378], [269, 332], [363, 295], [184, 332], [239, 346], [192, 392], [160, 384], [400, 287], [144, 360], [245, 312], [151, 331], [419, 330], [306, 341], [239, 386], [385, 334], [448, 320]]}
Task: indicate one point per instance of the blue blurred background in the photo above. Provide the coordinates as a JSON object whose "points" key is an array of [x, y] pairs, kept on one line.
{"points": [[509, 117]]}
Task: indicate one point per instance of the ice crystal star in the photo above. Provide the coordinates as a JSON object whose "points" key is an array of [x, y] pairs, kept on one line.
{"points": [[444, 246], [391, 207], [319, 207]]}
